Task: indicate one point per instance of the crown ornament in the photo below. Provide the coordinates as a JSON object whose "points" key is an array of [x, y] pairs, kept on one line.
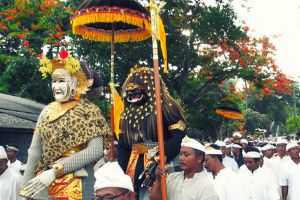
{"points": [[66, 61]]}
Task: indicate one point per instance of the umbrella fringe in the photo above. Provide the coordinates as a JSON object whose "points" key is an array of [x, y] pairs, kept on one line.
{"points": [[105, 36], [79, 22]]}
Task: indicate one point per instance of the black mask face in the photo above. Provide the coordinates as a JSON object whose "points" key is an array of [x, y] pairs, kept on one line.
{"points": [[136, 96]]}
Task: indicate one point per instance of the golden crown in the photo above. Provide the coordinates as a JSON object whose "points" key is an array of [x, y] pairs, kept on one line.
{"points": [[67, 62]]}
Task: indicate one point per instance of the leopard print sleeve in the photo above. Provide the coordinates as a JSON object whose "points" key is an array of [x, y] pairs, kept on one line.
{"points": [[93, 151], [34, 156]]}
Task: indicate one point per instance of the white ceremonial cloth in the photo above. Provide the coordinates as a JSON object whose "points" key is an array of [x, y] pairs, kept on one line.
{"points": [[228, 186], [276, 162], [267, 163], [197, 188], [289, 175], [259, 185], [10, 182], [15, 165], [230, 163]]}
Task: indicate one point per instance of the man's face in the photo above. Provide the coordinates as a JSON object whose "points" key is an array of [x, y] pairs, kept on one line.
{"points": [[281, 149], [228, 151], [114, 193], [244, 145], [236, 151], [294, 152], [188, 160], [3, 165], [111, 154], [209, 163], [251, 163], [11, 154], [223, 150], [62, 85], [269, 153]]}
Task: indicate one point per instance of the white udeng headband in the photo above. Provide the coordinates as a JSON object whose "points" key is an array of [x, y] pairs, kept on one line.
{"points": [[237, 146], [211, 151], [190, 142], [12, 148], [252, 154]]}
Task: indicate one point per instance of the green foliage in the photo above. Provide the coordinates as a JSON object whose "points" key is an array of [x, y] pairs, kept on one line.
{"points": [[256, 120], [293, 124], [194, 77]]}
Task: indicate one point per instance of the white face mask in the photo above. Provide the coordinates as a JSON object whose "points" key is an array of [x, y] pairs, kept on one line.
{"points": [[63, 85]]}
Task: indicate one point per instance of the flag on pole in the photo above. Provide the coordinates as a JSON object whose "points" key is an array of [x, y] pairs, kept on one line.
{"points": [[118, 109]]}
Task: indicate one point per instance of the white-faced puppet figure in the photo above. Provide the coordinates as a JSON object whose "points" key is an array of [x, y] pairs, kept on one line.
{"points": [[67, 138]]}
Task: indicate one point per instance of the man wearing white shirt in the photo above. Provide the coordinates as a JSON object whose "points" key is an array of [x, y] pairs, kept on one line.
{"points": [[280, 157], [289, 175], [268, 151], [225, 181], [192, 183], [237, 153], [9, 179], [257, 183], [12, 150], [226, 160], [244, 143]]}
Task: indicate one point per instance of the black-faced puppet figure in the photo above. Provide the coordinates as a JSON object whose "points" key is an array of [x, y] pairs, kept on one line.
{"points": [[138, 136]]}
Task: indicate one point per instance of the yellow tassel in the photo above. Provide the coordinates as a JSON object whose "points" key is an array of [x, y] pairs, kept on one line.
{"points": [[118, 109], [163, 43], [81, 20]]}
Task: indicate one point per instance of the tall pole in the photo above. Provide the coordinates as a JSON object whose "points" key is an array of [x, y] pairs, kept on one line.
{"points": [[112, 77], [295, 110], [154, 20], [246, 98]]}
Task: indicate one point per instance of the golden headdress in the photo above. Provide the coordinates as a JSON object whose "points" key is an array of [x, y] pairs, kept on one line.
{"points": [[72, 65]]}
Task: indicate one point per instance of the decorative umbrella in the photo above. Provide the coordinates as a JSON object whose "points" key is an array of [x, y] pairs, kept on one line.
{"points": [[124, 21], [112, 21], [101, 20]]}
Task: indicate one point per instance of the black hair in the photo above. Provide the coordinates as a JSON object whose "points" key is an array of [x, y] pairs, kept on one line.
{"points": [[13, 145], [218, 156], [240, 149], [199, 153], [248, 149]]}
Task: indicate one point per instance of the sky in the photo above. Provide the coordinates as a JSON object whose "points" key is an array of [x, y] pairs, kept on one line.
{"points": [[279, 18]]}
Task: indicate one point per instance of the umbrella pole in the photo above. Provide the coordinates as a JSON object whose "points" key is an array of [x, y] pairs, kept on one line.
{"points": [[158, 99], [112, 77]]}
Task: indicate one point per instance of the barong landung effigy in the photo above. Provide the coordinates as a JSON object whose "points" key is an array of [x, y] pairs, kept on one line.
{"points": [[138, 129], [68, 136]]}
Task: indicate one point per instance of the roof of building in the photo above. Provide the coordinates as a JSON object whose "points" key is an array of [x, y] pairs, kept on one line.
{"points": [[17, 112]]}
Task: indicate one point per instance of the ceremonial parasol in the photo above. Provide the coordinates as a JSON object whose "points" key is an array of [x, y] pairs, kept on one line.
{"points": [[112, 21], [230, 112], [124, 21]]}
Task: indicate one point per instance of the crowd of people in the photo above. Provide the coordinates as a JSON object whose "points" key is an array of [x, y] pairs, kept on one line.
{"points": [[268, 170]]}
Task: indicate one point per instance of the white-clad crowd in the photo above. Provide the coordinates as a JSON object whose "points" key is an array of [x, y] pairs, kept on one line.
{"points": [[10, 179], [208, 172], [268, 172]]}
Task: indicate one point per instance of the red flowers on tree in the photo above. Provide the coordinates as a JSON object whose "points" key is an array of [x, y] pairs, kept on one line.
{"points": [[250, 59]]}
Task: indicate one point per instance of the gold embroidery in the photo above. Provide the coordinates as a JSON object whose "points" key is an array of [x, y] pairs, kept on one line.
{"points": [[179, 125], [57, 109], [66, 187]]}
